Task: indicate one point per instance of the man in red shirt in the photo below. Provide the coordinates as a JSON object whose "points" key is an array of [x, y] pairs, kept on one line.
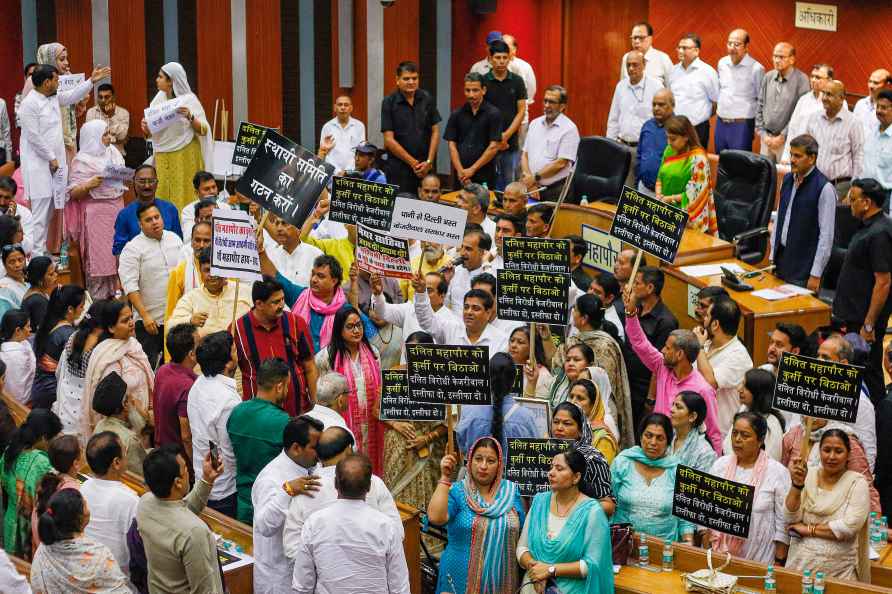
{"points": [[172, 383], [269, 331]]}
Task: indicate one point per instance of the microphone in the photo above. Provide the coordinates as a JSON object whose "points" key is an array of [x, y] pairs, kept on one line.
{"points": [[456, 262]]}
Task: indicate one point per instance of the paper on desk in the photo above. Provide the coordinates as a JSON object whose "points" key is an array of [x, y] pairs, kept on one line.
{"points": [[711, 269], [872, 554], [781, 292]]}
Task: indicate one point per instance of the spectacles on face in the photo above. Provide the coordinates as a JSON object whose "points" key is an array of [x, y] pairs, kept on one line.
{"points": [[736, 44], [638, 37], [146, 181], [353, 327], [551, 102]]}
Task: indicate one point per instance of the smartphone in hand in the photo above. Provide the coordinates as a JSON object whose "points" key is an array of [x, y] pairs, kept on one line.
{"points": [[215, 454]]}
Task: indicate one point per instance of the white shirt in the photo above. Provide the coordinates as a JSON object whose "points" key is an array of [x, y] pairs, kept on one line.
{"points": [[546, 143], [346, 138], [695, 88], [610, 315], [112, 510], [211, 400], [454, 331], [403, 316], [328, 417], [328, 229], [632, 105], [807, 105], [461, 284], [729, 364], [20, 368], [297, 265], [840, 143], [187, 215], [865, 111], [272, 570], [739, 87], [13, 582], [145, 265], [489, 226], [301, 508], [350, 548], [657, 65]]}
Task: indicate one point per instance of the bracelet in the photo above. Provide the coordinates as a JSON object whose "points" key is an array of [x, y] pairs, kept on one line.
{"points": [[445, 482], [811, 529], [288, 489], [797, 487], [631, 314]]}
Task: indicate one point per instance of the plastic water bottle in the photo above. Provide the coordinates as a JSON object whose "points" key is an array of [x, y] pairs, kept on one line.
{"points": [[873, 523], [63, 256], [876, 537], [584, 200], [643, 551], [770, 584], [884, 530], [819, 583], [806, 582], [668, 554]]}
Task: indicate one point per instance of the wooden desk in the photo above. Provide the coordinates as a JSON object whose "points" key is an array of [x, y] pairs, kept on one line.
{"points": [[411, 544], [760, 316], [881, 569]]}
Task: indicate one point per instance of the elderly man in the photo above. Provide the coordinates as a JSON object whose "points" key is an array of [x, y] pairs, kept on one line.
{"points": [[740, 82], [543, 167], [342, 133], [145, 183], [116, 117], [866, 107], [186, 276], [652, 140], [780, 90], [658, 64], [695, 85], [877, 145], [429, 188], [514, 200], [808, 104], [631, 106], [474, 198], [838, 130], [332, 393]]}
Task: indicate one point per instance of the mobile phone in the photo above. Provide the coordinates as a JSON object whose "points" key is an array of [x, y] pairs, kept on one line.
{"points": [[215, 453]]}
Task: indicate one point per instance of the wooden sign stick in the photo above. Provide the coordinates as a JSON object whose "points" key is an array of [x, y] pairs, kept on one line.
{"points": [[450, 439], [238, 281], [634, 272], [804, 449]]}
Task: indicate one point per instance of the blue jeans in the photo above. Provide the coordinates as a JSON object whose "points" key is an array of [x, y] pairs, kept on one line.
{"points": [[506, 163]]}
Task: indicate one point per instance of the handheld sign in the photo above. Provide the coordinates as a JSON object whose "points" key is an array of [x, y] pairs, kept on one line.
{"points": [[533, 296], [381, 253], [234, 245], [428, 221], [247, 140], [536, 254], [162, 115], [649, 224], [356, 201], [529, 460], [396, 404], [603, 250], [69, 81], [448, 374], [285, 178], [816, 388], [711, 501]]}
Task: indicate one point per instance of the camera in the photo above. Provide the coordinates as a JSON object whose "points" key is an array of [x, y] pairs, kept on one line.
{"points": [[387, 3]]}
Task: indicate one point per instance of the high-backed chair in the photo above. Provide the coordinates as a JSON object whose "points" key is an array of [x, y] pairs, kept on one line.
{"points": [[845, 227], [602, 165], [744, 199]]}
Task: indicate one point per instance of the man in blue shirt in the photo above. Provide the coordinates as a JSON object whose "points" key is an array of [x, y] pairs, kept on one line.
{"points": [[366, 153], [145, 182], [652, 141]]}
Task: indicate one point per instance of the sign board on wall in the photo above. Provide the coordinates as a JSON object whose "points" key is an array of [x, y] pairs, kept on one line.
{"points": [[821, 17]]}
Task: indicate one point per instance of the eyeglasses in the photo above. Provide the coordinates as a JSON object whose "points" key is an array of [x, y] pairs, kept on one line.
{"points": [[353, 327], [736, 44], [551, 102], [146, 181], [638, 37]]}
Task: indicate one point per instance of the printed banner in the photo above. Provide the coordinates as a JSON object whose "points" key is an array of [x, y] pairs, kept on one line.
{"points": [[396, 404], [448, 374], [234, 245], [711, 501], [355, 201], [816, 388], [247, 140], [649, 224], [529, 460], [381, 253], [428, 221]]}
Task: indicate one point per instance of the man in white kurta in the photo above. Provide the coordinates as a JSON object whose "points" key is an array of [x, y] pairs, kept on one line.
{"points": [[44, 165], [349, 547]]}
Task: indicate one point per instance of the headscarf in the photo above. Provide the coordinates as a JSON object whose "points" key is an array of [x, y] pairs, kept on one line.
{"points": [[358, 413], [180, 133], [495, 530], [727, 543], [48, 53], [596, 479], [93, 152], [77, 565], [602, 424]]}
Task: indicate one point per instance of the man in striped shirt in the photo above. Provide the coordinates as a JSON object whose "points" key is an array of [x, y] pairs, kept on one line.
{"points": [[841, 138]]}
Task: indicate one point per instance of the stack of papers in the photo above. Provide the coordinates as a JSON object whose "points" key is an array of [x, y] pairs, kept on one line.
{"points": [[781, 292], [711, 269]]}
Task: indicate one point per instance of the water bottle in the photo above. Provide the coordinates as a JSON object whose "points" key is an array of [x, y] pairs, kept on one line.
{"points": [[819, 583], [63, 256], [770, 584], [643, 551], [806, 582], [668, 561], [584, 200], [876, 537], [884, 530]]}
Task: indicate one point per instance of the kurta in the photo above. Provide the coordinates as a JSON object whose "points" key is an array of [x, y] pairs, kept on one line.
{"points": [[696, 451], [20, 487]]}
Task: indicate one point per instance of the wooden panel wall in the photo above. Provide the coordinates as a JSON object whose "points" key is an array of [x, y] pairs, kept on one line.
{"points": [[401, 38], [11, 55], [264, 39], [74, 29], [359, 91], [214, 56], [127, 35]]}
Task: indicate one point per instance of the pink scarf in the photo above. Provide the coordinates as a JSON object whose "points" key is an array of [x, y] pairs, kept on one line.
{"points": [[357, 414], [306, 302], [725, 543]]}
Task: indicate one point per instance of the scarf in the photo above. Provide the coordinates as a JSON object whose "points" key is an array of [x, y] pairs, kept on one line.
{"points": [[678, 173], [595, 463], [94, 153], [180, 133], [636, 454], [48, 54], [726, 543], [359, 414], [129, 360], [77, 565], [307, 302], [495, 529]]}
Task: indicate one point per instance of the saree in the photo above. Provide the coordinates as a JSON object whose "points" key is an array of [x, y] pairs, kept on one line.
{"points": [[20, 486], [585, 537], [77, 565], [127, 358], [687, 174]]}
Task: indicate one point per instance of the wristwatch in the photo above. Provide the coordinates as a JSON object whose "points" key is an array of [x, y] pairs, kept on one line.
{"points": [[551, 570], [868, 327]]}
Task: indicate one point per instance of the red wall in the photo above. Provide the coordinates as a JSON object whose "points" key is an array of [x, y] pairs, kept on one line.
{"points": [[11, 55]]}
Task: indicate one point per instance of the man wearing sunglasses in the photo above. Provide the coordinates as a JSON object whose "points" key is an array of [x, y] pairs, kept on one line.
{"points": [[145, 183]]}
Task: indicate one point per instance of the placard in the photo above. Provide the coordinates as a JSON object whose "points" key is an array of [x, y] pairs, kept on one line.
{"points": [[234, 245], [712, 501], [396, 404], [541, 411], [448, 374], [517, 386], [428, 221], [533, 296], [649, 224], [529, 460], [603, 250], [536, 254], [115, 175], [356, 201], [816, 388], [285, 178], [247, 140], [381, 253], [693, 300], [162, 115], [68, 82]]}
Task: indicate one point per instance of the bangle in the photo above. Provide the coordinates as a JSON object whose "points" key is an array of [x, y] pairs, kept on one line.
{"points": [[444, 482], [289, 489], [811, 529], [797, 487], [631, 314]]}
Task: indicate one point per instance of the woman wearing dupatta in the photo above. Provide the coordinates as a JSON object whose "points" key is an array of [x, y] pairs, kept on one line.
{"points": [[683, 179], [350, 354], [643, 482], [566, 538], [183, 147], [92, 208], [827, 507], [12, 286], [586, 394], [483, 515], [689, 444]]}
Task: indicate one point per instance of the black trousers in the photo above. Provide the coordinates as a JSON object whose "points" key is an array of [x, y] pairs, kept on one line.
{"points": [[153, 345], [703, 133], [873, 371]]}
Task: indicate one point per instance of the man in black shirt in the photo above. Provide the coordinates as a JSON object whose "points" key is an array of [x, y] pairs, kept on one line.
{"points": [[508, 93], [862, 292], [473, 132], [409, 122]]}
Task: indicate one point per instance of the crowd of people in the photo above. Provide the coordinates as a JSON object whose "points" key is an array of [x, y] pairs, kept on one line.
{"points": [[262, 400]]}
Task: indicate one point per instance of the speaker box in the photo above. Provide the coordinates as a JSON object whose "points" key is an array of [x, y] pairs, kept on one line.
{"points": [[483, 6]]}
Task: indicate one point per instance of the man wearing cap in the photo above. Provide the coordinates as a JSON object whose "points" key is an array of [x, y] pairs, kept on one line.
{"points": [[366, 153]]}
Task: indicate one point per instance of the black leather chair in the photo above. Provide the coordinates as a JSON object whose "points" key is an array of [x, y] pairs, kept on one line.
{"points": [[602, 165], [845, 227], [744, 198]]}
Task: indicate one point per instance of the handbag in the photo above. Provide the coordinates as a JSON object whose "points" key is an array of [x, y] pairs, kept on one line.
{"points": [[621, 542], [710, 581]]}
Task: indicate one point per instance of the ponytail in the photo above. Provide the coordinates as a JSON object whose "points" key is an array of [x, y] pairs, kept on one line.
{"points": [[13, 320], [40, 424], [62, 518]]}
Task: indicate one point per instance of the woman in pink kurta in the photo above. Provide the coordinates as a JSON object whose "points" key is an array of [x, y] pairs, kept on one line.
{"points": [[92, 206]]}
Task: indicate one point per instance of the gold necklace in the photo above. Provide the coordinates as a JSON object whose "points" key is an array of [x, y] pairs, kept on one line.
{"points": [[557, 507]]}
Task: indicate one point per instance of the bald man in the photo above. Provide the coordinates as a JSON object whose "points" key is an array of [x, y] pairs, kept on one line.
{"points": [[840, 137], [740, 80], [781, 89], [652, 140], [865, 109]]}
